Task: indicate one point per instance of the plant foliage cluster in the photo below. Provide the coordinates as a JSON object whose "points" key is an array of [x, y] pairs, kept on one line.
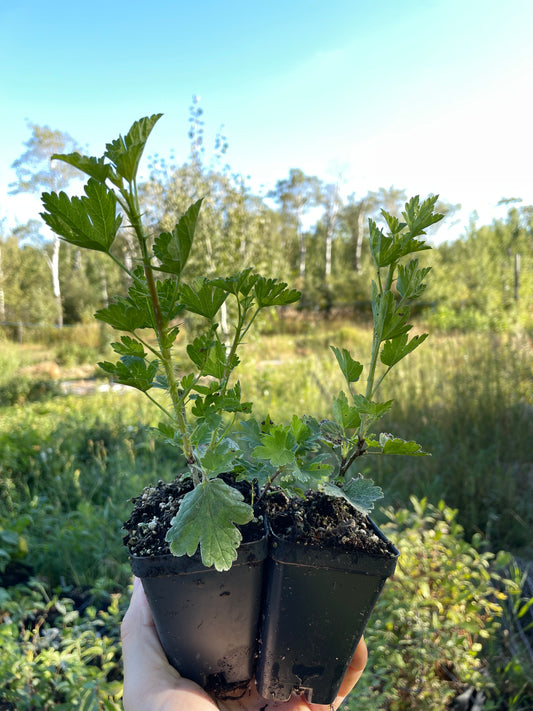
{"points": [[202, 402]]}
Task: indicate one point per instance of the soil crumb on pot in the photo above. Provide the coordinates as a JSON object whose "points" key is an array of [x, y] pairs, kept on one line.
{"points": [[322, 520], [155, 508]]}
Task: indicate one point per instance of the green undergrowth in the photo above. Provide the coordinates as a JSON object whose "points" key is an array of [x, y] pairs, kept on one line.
{"points": [[68, 468], [431, 635], [56, 656], [439, 618]]}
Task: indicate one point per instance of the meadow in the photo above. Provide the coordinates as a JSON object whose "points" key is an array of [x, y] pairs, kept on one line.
{"points": [[70, 463]]}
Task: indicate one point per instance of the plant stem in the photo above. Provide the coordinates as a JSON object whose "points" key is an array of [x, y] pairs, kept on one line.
{"points": [[160, 328], [269, 484], [358, 452]]}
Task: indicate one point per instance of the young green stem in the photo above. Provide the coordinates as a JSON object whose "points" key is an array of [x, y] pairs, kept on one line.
{"points": [[357, 452], [160, 328]]}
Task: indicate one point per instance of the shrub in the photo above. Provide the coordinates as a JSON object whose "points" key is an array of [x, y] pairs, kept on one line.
{"points": [[53, 657], [426, 634], [23, 389]]}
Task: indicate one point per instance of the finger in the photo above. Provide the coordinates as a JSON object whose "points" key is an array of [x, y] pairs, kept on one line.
{"points": [[138, 629], [145, 666], [352, 676]]}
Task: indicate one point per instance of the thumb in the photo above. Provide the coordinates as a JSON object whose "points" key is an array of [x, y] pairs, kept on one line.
{"points": [[145, 664]]}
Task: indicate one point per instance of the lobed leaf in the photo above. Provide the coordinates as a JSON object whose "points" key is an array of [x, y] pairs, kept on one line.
{"points": [[360, 492], [396, 349], [132, 371], [220, 459], [96, 168], [124, 316], [238, 283], [271, 292], [395, 445], [384, 248], [344, 414], [173, 248], [129, 346], [276, 447], [421, 216], [410, 282], [207, 518], [209, 356], [125, 152], [204, 298], [89, 221], [372, 411], [351, 369]]}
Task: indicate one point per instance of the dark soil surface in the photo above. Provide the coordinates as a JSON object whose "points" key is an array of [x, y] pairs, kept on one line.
{"points": [[325, 521], [317, 520], [155, 508]]}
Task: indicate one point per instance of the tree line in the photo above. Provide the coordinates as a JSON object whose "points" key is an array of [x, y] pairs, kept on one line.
{"points": [[302, 231]]}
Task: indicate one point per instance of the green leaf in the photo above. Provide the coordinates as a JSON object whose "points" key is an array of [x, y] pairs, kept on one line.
{"points": [[384, 249], [89, 701], [391, 321], [419, 217], [89, 221], [209, 355], [371, 411], [168, 294], [129, 346], [203, 298], [132, 371], [125, 152], [410, 282], [250, 433], [220, 459], [276, 446], [207, 518], [299, 430], [230, 401], [124, 316], [393, 223], [173, 248], [332, 432], [395, 445], [360, 492], [205, 429], [94, 167], [396, 349], [271, 292], [239, 283], [350, 368], [344, 414]]}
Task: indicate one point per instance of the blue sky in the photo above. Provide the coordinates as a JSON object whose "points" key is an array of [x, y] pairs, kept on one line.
{"points": [[431, 96]]}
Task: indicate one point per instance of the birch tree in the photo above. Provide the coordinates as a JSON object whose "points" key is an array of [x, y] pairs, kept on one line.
{"points": [[36, 173]]}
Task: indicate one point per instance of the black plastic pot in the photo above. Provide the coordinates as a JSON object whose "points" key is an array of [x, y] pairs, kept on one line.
{"points": [[315, 611], [207, 621]]}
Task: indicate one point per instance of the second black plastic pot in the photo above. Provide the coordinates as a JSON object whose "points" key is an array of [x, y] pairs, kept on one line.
{"points": [[315, 611], [207, 621]]}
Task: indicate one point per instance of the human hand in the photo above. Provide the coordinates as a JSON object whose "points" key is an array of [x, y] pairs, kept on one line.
{"points": [[152, 684]]}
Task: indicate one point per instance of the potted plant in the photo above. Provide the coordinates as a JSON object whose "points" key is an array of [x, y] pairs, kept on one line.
{"points": [[328, 560], [185, 538], [243, 532]]}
